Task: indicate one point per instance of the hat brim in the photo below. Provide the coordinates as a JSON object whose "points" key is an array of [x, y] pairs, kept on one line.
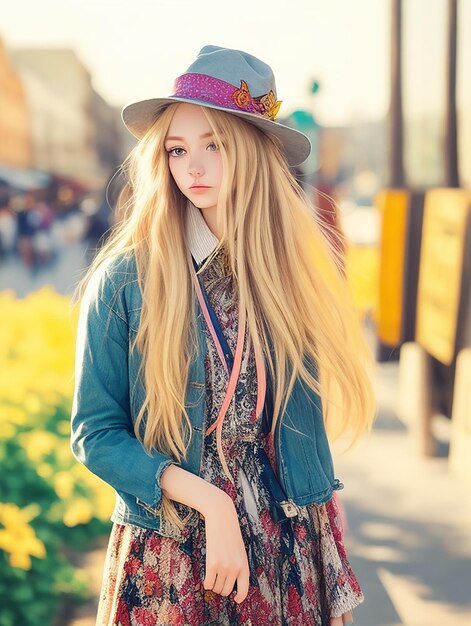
{"points": [[139, 116]]}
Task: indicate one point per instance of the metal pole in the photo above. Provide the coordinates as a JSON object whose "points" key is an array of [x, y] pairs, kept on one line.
{"points": [[396, 115], [451, 141]]}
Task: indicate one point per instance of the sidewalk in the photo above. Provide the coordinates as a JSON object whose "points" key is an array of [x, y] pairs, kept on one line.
{"points": [[409, 526], [409, 523], [63, 274]]}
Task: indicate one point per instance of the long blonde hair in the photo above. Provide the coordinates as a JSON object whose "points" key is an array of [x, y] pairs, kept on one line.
{"points": [[289, 278]]}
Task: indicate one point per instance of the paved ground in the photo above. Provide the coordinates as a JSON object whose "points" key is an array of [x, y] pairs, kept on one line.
{"points": [[409, 535], [62, 274]]}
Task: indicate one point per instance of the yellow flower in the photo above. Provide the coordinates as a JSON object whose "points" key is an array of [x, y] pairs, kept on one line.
{"points": [[103, 495], [37, 339], [11, 514], [12, 414], [32, 403], [38, 444], [21, 560], [17, 537], [63, 452], [44, 470], [105, 499], [79, 511], [64, 484], [63, 427], [7, 431]]}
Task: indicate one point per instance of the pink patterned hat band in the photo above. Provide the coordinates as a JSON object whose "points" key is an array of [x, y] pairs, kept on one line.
{"points": [[220, 93]]}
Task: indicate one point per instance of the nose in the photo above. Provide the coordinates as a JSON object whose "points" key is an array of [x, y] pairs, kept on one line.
{"points": [[196, 170]]}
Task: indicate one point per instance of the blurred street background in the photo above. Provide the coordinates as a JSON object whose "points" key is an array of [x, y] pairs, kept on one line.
{"points": [[383, 90]]}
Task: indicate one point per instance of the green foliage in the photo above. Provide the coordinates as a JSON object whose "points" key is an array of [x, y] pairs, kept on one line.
{"points": [[51, 507]]}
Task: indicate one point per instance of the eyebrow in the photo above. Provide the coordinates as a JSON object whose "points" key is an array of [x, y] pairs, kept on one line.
{"points": [[183, 138]]}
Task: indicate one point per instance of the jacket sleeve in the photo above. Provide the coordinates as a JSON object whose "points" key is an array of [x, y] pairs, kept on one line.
{"points": [[102, 434]]}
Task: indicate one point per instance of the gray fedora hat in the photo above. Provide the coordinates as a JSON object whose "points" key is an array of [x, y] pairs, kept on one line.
{"points": [[229, 80]]}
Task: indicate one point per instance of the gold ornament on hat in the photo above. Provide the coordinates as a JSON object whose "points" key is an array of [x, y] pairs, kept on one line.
{"points": [[242, 96], [266, 105]]}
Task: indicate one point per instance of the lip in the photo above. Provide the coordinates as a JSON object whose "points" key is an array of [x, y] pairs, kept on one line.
{"points": [[200, 187]]}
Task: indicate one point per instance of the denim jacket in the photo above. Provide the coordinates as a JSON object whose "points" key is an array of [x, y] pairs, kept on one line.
{"points": [[109, 392]]}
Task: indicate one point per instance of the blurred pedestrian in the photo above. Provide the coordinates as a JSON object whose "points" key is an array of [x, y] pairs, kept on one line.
{"points": [[95, 227], [26, 223], [42, 241], [217, 346], [7, 227]]}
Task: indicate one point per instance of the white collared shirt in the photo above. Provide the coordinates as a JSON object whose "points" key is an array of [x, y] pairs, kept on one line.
{"points": [[200, 239]]}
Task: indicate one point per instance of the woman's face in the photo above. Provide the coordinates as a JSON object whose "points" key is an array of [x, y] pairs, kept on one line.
{"points": [[193, 157]]}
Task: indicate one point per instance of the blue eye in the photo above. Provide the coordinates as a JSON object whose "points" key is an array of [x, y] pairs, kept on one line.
{"points": [[172, 150]]}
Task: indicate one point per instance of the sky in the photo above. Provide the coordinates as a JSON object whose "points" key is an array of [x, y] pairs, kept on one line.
{"points": [[135, 49]]}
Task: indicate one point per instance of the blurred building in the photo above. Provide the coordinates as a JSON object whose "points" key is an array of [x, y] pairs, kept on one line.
{"points": [[59, 95], [351, 154], [53, 121], [15, 135], [107, 133], [56, 128]]}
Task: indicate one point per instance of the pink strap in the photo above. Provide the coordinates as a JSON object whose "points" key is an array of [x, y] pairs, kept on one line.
{"points": [[208, 319], [234, 374], [260, 365]]}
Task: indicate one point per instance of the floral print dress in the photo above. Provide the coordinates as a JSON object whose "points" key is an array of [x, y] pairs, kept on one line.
{"points": [[299, 571]]}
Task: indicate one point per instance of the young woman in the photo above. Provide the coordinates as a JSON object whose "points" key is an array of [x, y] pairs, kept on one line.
{"points": [[217, 350]]}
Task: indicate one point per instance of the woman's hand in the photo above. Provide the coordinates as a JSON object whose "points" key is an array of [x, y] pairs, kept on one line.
{"points": [[226, 556]]}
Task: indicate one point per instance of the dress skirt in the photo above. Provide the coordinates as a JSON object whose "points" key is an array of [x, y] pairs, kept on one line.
{"points": [[299, 571]]}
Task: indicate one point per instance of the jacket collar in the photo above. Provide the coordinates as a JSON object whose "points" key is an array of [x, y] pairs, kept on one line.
{"points": [[200, 239]]}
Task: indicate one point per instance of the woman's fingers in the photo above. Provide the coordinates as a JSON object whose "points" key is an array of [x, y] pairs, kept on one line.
{"points": [[220, 583], [226, 556], [210, 578], [225, 582], [228, 585], [242, 586]]}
